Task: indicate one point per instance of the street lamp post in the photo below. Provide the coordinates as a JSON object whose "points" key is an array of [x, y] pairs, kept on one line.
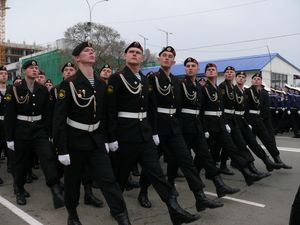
{"points": [[167, 35], [145, 39], [91, 8]]}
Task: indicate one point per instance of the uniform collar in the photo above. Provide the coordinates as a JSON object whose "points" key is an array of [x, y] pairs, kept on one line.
{"points": [[82, 79], [23, 85]]}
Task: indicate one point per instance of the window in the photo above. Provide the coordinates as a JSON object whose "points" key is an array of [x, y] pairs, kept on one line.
{"points": [[278, 80]]}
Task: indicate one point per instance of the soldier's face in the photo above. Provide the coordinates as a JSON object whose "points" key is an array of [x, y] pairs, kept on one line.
{"points": [[240, 79], [134, 56], [191, 69], [256, 81], [105, 73], [32, 72], [41, 79], [86, 56], [68, 72], [166, 60], [211, 72], [202, 82], [3, 76], [49, 86], [229, 75]]}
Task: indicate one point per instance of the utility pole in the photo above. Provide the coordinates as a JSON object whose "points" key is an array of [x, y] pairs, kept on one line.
{"points": [[145, 39], [167, 35]]}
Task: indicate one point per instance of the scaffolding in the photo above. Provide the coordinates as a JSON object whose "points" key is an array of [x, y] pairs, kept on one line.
{"points": [[2, 31]]}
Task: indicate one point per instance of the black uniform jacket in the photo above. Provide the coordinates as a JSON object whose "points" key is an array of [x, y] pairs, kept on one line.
{"points": [[252, 97], [191, 124], [2, 109], [121, 99], [166, 124], [228, 100], [212, 101], [265, 104], [30, 104], [240, 106], [67, 138]]}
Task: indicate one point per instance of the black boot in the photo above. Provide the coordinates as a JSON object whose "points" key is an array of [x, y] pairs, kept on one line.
{"points": [[131, 184], [33, 176], [254, 170], [250, 177], [135, 171], [122, 218], [73, 217], [270, 165], [57, 196], [144, 201], [202, 202], [225, 170], [26, 193], [1, 181], [178, 215], [223, 189], [90, 198], [278, 160], [28, 178], [20, 197], [174, 191]]}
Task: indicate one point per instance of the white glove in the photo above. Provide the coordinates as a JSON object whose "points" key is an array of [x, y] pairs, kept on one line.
{"points": [[289, 112], [276, 111], [298, 111], [156, 139], [206, 135], [106, 147], [250, 127], [228, 128], [283, 109], [113, 146], [64, 159], [11, 145]]}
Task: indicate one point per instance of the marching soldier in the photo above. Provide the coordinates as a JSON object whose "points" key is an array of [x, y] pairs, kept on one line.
{"points": [[78, 133], [191, 125], [27, 128], [165, 97], [214, 125], [252, 112], [130, 133]]}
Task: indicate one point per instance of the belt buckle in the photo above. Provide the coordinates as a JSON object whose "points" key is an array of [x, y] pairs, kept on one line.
{"points": [[30, 119], [90, 128], [170, 112], [140, 116]]}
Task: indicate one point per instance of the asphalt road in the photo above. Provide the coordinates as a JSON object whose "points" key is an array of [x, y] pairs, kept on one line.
{"points": [[267, 202]]}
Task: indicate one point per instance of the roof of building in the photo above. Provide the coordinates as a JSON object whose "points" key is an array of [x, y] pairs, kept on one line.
{"points": [[245, 63]]}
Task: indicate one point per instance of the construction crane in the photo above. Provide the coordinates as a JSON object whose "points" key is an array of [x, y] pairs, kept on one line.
{"points": [[2, 31]]}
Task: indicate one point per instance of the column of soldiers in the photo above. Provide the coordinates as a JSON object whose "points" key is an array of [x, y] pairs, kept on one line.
{"points": [[97, 128]]}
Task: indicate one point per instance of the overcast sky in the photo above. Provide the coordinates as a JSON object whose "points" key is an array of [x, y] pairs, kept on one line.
{"points": [[194, 24]]}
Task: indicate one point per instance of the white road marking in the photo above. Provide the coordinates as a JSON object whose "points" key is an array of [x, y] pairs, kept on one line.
{"points": [[285, 149], [20, 213], [239, 200]]}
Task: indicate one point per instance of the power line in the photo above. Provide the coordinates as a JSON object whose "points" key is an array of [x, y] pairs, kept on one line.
{"points": [[189, 14], [235, 50], [239, 42]]}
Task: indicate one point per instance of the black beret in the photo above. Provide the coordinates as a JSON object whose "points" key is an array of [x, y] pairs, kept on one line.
{"points": [[202, 79], [18, 77], [210, 65], [67, 64], [257, 75], [168, 49], [48, 81], [229, 68], [80, 47], [29, 63], [190, 59], [105, 66], [41, 73], [134, 44], [3, 68], [241, 73]]}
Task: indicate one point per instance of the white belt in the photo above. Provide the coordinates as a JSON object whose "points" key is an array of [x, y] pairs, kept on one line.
{"points": [[213, 113], [1, 117], [272, 107], [257, 112], [229, 111], [133, 115], [82, 126], [190, 111], [166, 110], [239, 112], [29, 118]]}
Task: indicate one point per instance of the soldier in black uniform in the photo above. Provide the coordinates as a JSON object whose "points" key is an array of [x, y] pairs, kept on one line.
{"points": [[130, 132], [3, 88], [192, 129], [105, 72], [214, 125], [78, 134], [27, 125], [253, 116], [244, 126], [295, 211], [165, 99]]}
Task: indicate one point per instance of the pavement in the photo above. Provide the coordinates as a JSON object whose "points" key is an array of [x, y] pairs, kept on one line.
{"points": [[267, 202]]}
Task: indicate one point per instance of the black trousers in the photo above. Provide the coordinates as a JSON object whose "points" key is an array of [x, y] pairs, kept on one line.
{"points": [[289, 121], [23, 159], [259, 129], [295, 212], [100, 165], [224, 140]]}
